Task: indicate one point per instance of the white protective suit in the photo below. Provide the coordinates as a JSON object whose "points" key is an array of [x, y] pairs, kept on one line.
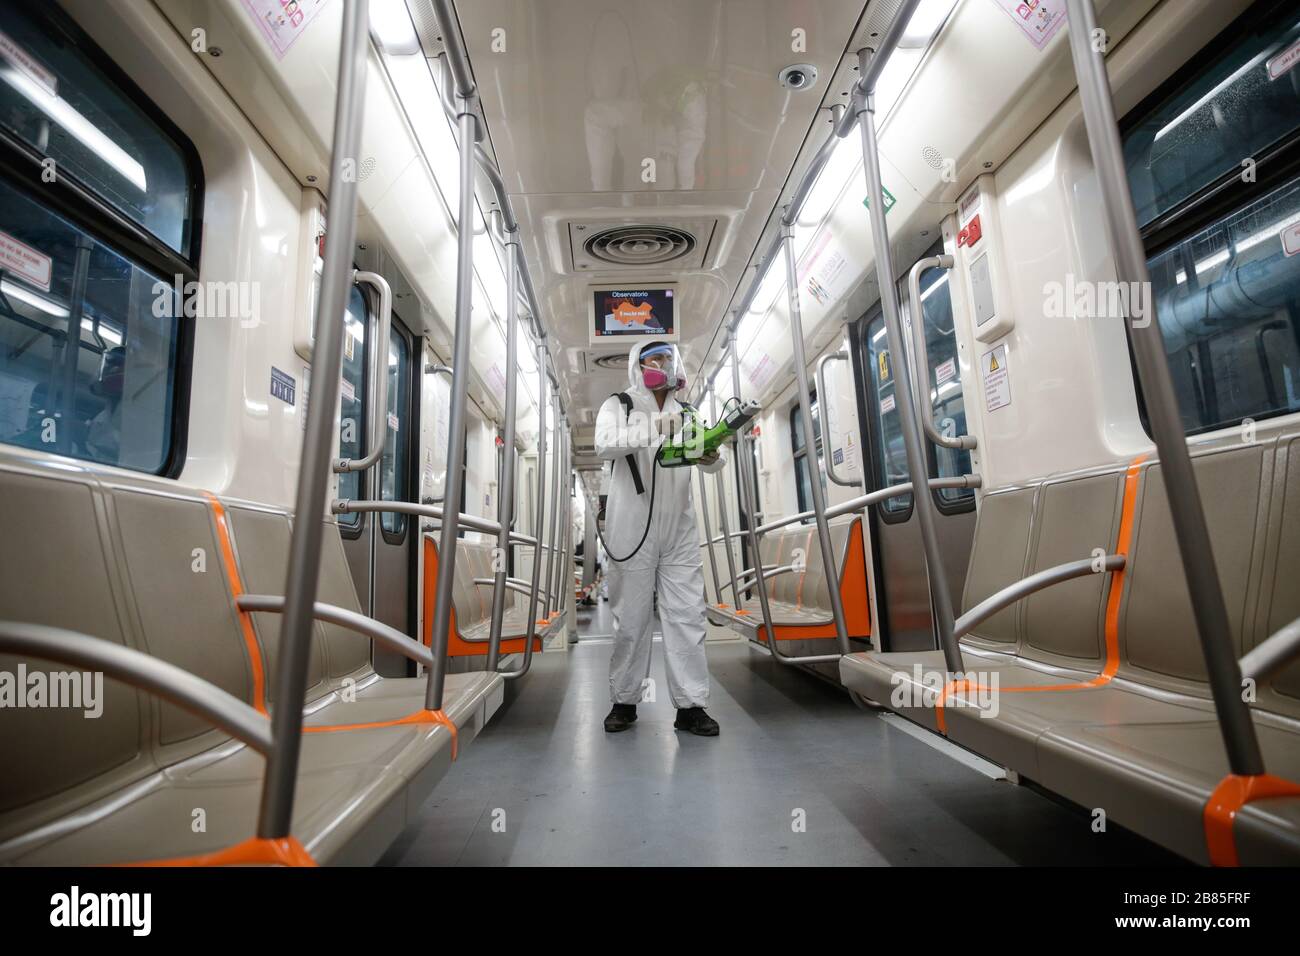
{"points": [[669, 559]]}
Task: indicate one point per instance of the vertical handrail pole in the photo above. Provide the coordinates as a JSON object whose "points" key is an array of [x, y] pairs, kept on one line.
{"points": [[446, 581], [747, 503], [506, 494], [549, 503], [377, 434], [708, 534], [539, 509], [720, 489], [810, 441], [920, 357], [276, 811], [1223, 669], [916, 459]]}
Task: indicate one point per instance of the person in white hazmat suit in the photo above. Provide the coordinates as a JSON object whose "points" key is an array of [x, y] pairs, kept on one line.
{"points": [[663, 553]]}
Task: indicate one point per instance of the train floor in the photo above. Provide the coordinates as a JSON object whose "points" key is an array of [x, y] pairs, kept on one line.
{"points": [[799, 776]]}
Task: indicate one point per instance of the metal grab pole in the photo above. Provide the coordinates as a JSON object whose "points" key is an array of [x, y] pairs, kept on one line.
{"points": [[819, 376], [276, 812], [506, 501], [1194, 544], [708, 535], [539, 502], [446, 581], [378, 432], [552, 516], [912, 441], [747, 503], [920, 358], [805, 414], [720, 489]]}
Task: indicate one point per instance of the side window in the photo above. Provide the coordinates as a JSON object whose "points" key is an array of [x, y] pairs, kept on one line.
{"points": [[97, 198], [393, 465], [882, 406], [947, 404], [1214, 167], [802, 474], [353, 407]]}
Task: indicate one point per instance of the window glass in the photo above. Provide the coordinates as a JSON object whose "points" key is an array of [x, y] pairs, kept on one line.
{"points": [[353, 432], [803, 489], [882, 404], [393, 467], [1228, 302], [55, 100], [88, 343], [947, 405], [1245, 102]]}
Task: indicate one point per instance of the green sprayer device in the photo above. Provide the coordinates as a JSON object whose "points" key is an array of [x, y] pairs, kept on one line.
{"points": [[700, 441]]}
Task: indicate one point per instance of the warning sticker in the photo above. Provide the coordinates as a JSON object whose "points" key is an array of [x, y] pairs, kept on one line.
{"points": [[889, 200], [1281, 64], [282, 385], [887, 404], [945, 371], [24, 261], [349, 391], [1291, 239], [1038, 19], [997, 378], [393, 423]]}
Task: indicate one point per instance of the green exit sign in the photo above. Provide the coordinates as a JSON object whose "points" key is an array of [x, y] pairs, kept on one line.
{"points": [[889, 200]]}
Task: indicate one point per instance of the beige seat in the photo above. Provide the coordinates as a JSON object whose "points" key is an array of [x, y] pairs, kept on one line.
{"points": [[147, 565], [799, 600], [1102, 694]]}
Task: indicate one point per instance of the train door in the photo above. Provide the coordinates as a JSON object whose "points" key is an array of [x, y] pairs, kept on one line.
{"points": [[902, 590]]}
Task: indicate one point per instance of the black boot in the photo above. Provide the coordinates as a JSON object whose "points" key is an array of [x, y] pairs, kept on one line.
{"points": [[695, 720], [620, 718]]}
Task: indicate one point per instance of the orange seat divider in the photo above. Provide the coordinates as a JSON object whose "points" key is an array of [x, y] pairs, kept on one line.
{"points": [[284, 851], [227, 548], [1233, 793]]}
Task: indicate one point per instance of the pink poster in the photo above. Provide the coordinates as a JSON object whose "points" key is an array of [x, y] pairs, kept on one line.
{"points": [[1039, 19], [283, 21]]}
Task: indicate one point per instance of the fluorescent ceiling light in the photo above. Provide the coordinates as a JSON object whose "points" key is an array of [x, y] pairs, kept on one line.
{"points": [[106, 332], [390, 25], [925, 23], [57, 109], [843, 166], [48, 306]]}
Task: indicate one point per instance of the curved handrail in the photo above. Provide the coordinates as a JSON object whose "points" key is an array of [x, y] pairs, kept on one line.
{"points": [[921, 359], [871, 498], [377, 631], [819, 373], [187, 691], [1035, 582], [343, 506], [378, 375], [1274, 653], [769, 571]]}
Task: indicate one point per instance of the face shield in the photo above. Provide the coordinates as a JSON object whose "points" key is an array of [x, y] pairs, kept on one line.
{"points": [[662, 368]]}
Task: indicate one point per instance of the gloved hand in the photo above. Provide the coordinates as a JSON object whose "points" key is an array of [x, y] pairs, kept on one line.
{"points": [[713, 461]]}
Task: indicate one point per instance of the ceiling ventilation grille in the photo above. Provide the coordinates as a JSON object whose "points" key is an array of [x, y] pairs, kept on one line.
{"points": [[639, 245], [599, 245]]}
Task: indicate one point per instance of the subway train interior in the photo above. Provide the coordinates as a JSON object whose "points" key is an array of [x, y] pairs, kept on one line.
{"points": [[487, 432]]}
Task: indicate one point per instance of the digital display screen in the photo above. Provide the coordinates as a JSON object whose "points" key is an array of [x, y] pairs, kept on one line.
{"points": [[633, 311]]}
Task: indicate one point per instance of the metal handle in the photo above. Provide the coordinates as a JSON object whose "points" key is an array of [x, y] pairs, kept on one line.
{"points": [[377, 631], [825, 399], [378, 377], [1273, 654], [158, 677], [921, 360], [1012, 593]]}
